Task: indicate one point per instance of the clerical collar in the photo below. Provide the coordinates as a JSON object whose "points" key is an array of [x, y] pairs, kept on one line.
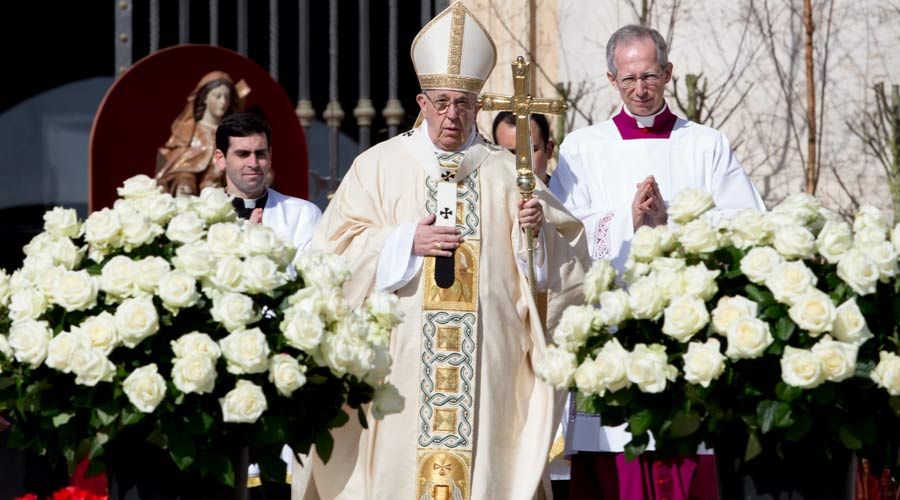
{"points": [[465, 146], [656, 126], [245, 206]]}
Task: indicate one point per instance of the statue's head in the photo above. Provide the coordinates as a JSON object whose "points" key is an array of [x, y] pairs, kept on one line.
{"points": [[219, 97]]}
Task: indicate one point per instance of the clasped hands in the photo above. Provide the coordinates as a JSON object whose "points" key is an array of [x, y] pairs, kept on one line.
{"points": [[648, 207], [439, 241]]}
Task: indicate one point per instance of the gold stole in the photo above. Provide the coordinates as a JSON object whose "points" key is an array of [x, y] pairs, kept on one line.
{"points": [[447, 377]]}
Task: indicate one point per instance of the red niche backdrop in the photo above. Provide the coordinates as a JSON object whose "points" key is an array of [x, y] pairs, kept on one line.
{"points": [[136, 115]]}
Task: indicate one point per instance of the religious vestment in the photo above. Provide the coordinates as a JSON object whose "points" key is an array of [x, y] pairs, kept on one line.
{"points": [[599, 169], [477, 423]]}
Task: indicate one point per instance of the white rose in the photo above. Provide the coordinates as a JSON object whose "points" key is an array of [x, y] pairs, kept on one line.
{"points": [[194, 373], [774, 220], [869, 216], [149, 271], [759, 263], [589, 377], [794, 242], [145, 388], [194, 259], [801, 368], [229, 275], [690, 204], [859, 271], [103, 228], [139, 186], [75, 291], [246, 351], [159, 208], [322, 269], [802, 206], [303, 331], [63, 222], [887, 373], [5, 349], [286, 373], [838, 358], [645, 244], [347, 352], [214, 205], [645, 299], [29, 340], [729, 310], [117, 278], [387, 400], [814, 312], [65, 252], [611, 364], [634, 270], [244, 404], [748, 338], [870, 235], [261, 275], [850, 325], [748, 229], [224, 239], [885, 259], [61, 348], [334, 306], [834, 240], [698, 236], [791, 280], [667, 264], [136, 319], [5, 288], [684, 317], [259, 240], [196, 343], [185, 227], [703, 363], [91, 366], [598, 280], [308, 300], [614, 307], [557, 368], [381, 366], [700, 281], [234, 310], [385, 309], [667, 238], [895, 237], [27, 303], [137, 229], [670, 282], [101, 331], [178, 290], [574, 327], [40, 244], [648, 368]]}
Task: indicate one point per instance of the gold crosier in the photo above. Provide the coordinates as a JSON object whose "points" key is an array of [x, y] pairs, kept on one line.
{"points": [[522, 104]]}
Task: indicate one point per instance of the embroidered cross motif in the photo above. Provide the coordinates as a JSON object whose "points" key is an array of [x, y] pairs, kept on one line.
{"points": [[408, 132], [447, 175], [446, 213]]}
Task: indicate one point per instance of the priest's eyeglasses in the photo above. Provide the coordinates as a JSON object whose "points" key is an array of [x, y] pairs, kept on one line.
{"points": [[647, 78], [442, 104]]}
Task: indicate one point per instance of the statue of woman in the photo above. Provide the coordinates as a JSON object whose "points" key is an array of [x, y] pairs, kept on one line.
{"points": [[184, 164]]}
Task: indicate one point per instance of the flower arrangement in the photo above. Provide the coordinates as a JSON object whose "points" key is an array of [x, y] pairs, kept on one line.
{"points": [[168, 320], [781, 327]]}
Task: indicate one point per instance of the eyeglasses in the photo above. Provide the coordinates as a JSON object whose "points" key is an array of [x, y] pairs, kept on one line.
{"points": [[648, 79], [442, 104]]}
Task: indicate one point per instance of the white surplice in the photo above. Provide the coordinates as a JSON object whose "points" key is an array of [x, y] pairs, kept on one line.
{"points": [[292, 218]]}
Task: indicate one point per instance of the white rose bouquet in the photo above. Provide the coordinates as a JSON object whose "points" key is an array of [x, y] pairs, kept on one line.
{"points": [[172, 322], [782, 327]]}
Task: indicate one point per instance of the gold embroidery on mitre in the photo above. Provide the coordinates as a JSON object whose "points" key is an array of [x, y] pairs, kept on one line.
{"points": [[463, 293], [443, 475], [444, 420], [448, 338], [447, 379], [452, 82], [457, 28]]}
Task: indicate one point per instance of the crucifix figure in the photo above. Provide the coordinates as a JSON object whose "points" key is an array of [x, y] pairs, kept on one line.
{"points": [[522, 104]]}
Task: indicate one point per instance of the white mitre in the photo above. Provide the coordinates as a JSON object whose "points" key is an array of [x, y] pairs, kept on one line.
{"points": [[453, 51]]}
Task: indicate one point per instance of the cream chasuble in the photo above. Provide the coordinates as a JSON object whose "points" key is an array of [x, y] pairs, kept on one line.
{"points": [[477, 423]]}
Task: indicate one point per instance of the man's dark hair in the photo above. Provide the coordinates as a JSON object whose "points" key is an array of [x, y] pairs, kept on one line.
{"points": [[241, 125], [510, 119]]}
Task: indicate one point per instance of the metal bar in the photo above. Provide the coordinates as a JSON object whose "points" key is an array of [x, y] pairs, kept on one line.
{"points": [[184, 22], [214, 22], [333, 113], [124, 33], [364, 112], [273, 39], [305, 112], [425, 12], [393, 112], [154, 26], [243, 34]]}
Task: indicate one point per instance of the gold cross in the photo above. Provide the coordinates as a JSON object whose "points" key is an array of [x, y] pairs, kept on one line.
{"points": [[522, 105]]}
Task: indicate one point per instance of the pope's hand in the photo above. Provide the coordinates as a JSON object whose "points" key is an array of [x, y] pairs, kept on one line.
{"points": [[531, 215], [436, 241]]}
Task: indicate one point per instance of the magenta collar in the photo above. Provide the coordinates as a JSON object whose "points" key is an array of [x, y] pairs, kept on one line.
{"points": [[661, 129]]}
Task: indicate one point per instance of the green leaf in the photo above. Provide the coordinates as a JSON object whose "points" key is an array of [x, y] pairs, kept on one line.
{"points": [[181, 447], [849, 438], [97, 444], [272, 430], [824, 394], [339, 419], [895, 405], [759, 295], [62, 419], [639, 423], [362, 418], [784, 328], [587, 404], [636, 446], [771, 414], [272, 467], [220, 467], [775, 311], [324, 444], [787, 393], [754, 447], [684, 423], [800, 429]]}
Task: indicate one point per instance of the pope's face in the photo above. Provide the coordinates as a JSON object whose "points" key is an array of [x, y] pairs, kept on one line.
{"points": [[217, 101], [449, 128], [637, 59], [245, 165]]}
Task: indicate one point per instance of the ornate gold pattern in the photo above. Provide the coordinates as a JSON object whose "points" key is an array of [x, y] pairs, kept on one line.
{"points": [[443, 473], [457, 28], [460, 213], [447, 379], [451, 82], [463, 294], [448, 338], [444, 420]]}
